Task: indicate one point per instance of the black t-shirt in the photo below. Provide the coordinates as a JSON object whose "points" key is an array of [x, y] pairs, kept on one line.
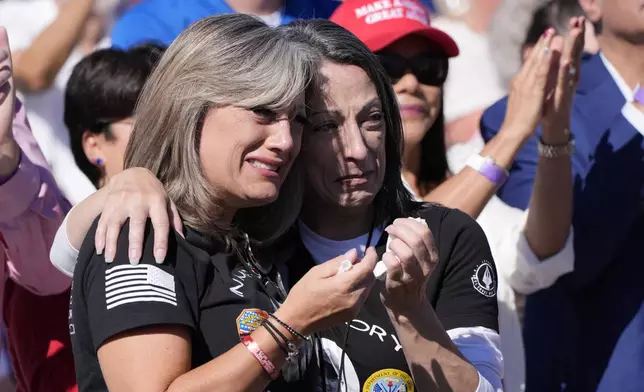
{"points": [[206, 290], [462, 291]]}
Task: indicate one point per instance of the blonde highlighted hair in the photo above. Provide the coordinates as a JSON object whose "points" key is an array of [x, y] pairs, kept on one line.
{"points": [[218, 61]]}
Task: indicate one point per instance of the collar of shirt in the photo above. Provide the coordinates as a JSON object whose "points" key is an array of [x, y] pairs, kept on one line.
{"points": [[323, 249], [634, 116]]}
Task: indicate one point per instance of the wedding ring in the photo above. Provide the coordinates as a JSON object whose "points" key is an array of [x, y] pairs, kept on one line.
{"points": [[572, 71], [546, 51], [345, 266]]}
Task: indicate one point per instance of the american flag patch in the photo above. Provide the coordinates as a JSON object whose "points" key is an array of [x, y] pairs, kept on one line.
{"points": [[126, 284]]}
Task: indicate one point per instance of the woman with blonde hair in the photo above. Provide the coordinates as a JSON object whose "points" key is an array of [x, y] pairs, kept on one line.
{"points": [[219, 123]]}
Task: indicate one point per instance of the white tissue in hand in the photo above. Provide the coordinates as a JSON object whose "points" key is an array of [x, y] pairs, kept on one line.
{"points": [[381, 269]]}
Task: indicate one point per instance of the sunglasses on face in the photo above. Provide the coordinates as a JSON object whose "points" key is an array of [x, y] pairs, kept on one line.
{"points": [[429, 69]]}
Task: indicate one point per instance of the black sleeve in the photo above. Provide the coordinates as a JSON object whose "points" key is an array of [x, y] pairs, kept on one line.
{"points": [[120, 296], [469, 282]]}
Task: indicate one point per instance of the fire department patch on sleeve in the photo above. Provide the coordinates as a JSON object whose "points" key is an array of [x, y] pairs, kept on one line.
{"points": [[249, 320], [389, 380]]}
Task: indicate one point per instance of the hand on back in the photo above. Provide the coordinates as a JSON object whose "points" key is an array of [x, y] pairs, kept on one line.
{"points": [[136, 194]]}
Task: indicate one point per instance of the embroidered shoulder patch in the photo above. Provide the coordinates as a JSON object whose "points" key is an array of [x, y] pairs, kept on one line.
{"points": [[484, 279]]}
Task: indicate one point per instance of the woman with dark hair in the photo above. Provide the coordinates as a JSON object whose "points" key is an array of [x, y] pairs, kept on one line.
{"points": [[531, 249], [100, 97]]}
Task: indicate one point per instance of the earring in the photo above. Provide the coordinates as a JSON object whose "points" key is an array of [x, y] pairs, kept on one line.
{"points": [[99, 162]]}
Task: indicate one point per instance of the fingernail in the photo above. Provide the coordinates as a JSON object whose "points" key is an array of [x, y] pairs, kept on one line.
{"points": [[109, 255], [99, 250], [158, 256], [351, 253], [133, 254]]}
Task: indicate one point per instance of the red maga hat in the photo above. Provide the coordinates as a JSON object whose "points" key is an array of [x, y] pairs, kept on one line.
{"points": [[380, 23]]}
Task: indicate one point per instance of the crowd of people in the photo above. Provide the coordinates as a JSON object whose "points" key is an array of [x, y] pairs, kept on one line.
{"points": [[322, 195]]}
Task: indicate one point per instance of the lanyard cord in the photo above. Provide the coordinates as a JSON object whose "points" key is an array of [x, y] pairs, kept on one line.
{"points": [[345, 340]]}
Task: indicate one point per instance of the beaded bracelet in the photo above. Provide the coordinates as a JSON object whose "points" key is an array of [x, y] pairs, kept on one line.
{"points": [[288, 328], [261, 357], [291, 349]]}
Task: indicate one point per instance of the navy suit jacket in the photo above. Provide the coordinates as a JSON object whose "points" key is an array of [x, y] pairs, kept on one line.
{"points": [[572, 327]]}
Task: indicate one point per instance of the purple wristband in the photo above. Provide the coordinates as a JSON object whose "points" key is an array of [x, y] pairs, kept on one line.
{"points": [[493, 173], [488, 168]]}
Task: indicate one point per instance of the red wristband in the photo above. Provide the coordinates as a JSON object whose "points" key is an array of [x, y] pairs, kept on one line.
{"points": [[261, 357]]}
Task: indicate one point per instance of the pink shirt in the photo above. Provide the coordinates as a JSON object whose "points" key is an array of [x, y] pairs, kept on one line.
{"points": [[31, 210]]}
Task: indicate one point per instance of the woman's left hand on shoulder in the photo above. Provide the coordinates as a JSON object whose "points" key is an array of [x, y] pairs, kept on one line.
{"points": [[410, 260]]}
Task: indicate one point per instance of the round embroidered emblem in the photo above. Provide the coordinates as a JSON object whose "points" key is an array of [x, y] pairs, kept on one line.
{"points": [[484, 279], [249, 320], [389, 380]]}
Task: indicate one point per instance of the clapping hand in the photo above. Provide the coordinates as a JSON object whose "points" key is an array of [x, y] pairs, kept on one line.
{"points": [[543, 89], [562, 82]]}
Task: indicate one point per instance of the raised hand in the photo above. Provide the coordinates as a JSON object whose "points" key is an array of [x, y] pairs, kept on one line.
{"points": [[527, 91], [7, 104], [410, 260], [562, 81]]}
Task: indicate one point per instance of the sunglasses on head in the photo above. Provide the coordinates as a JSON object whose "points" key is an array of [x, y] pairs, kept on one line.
{"points": [[430, 69]]}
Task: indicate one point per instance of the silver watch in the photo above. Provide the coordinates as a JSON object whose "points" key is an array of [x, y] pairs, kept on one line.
{"points": [[556, 150]]}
